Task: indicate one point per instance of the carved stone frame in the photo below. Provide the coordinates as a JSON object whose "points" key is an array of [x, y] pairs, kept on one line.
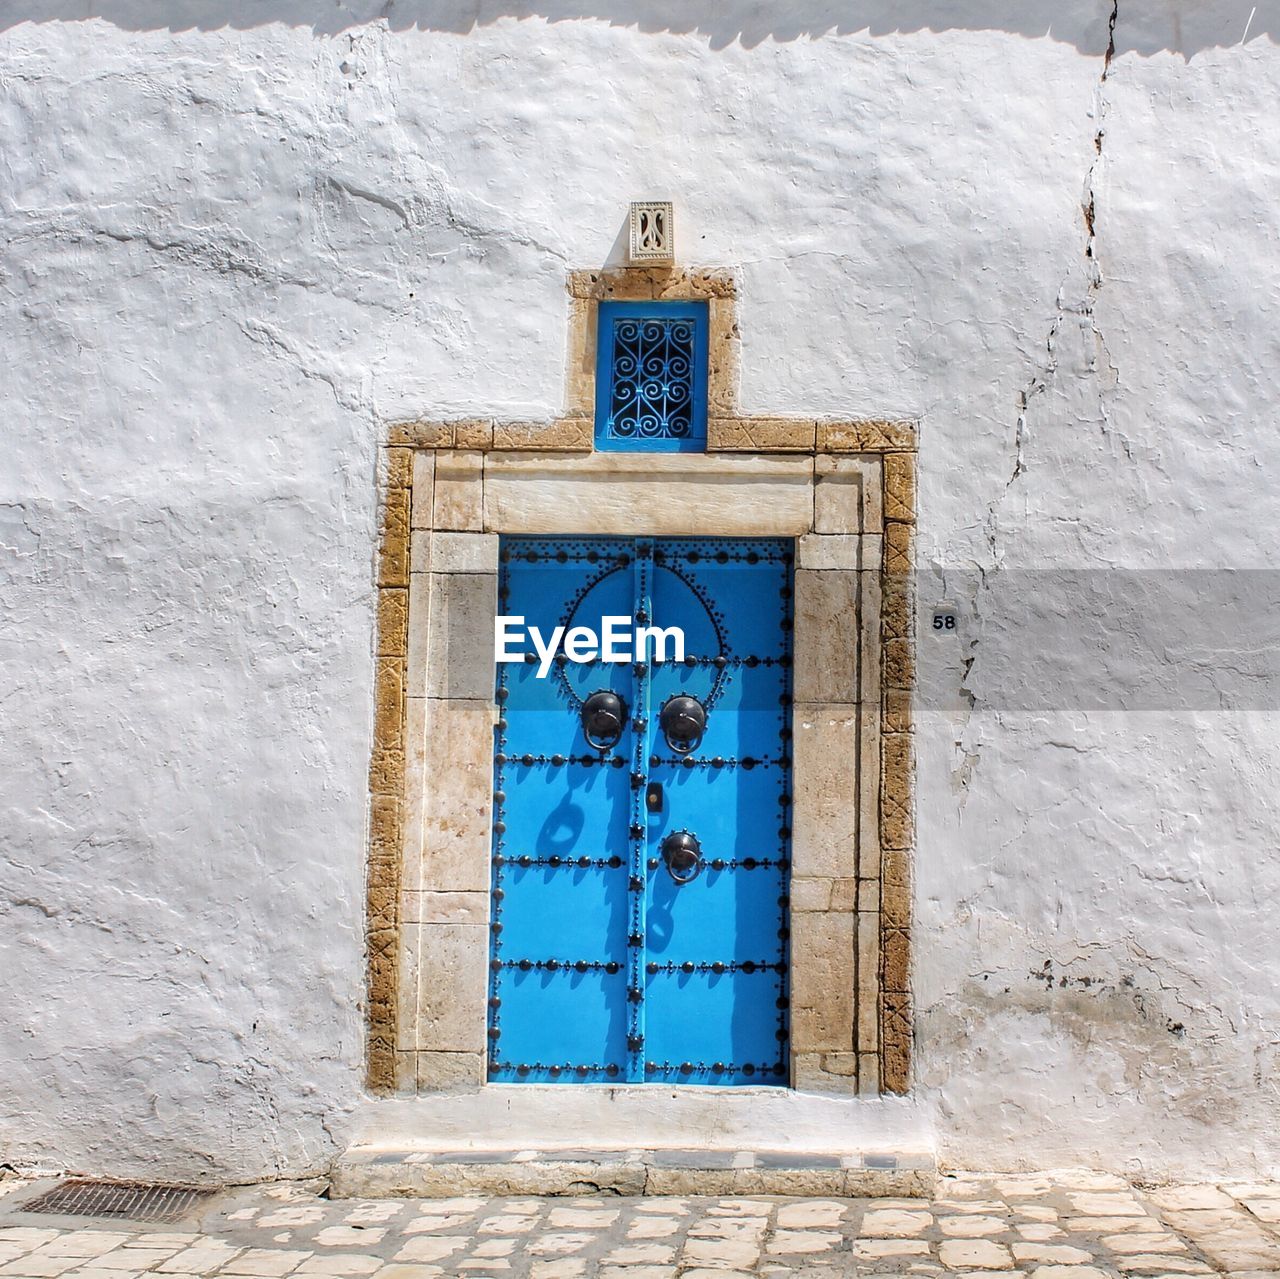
{"points": [[845, 490]]}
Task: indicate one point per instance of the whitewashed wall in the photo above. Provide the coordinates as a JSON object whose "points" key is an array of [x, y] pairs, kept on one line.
{"points": [[240, 240]]}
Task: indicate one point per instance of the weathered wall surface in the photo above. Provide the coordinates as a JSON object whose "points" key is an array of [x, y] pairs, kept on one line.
{"points": [[239, 241]]}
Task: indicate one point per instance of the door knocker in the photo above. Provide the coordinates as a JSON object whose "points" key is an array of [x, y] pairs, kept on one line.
{"points": [[604, 714], [683, 855], [683, 721]]}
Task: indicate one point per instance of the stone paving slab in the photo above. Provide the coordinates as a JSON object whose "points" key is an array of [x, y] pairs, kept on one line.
{"points": [[1079, 1225]]}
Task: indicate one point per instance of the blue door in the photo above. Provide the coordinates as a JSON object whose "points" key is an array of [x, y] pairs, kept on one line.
{"points": [[642, 817]]}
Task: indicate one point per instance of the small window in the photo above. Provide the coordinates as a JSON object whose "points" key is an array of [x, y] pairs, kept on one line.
{"points": [[651, 377]]}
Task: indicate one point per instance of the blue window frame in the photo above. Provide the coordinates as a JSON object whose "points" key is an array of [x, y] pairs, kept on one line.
{"points": [[651, 377]]}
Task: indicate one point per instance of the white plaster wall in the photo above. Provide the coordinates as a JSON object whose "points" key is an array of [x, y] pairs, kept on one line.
{"points": [[240, 239]]}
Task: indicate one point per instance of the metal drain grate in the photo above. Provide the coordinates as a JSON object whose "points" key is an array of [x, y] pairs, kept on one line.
{"points": [[132, 1199]]}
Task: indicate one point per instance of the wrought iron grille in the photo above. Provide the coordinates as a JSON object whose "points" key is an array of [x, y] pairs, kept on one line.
{"points": [[651, 376]]}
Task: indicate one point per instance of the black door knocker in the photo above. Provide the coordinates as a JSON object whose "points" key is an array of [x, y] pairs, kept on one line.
{"points": [[603, 715], [683, 720], [683, 855]]}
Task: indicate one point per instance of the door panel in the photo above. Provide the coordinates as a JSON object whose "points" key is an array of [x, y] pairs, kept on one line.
{"points": [[588, 905], [735, 1028], [605, 967]]}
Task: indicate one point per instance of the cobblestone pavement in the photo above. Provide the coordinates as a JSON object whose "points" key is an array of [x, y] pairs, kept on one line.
{"points": [[1056, 1226]]}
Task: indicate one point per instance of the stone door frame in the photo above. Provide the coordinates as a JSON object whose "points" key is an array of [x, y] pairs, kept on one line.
{"points": [[845, 490]]}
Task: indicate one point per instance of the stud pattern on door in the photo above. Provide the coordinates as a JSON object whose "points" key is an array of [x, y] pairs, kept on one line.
{"points": [[639, 887]]}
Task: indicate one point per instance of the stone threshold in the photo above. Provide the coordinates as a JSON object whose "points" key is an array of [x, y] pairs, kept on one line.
{"points": [[514, 1139], [371, 1172]]}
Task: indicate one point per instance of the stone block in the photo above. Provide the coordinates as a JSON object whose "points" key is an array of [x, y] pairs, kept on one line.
{"points": [[724, 358], [897, 615], [867, 894], [580, 367], [393, 551], [866, 436], [685, 283], [899, 548], [897, 827], [417, 640], [657, 494], [896, 959], [846, 498], [825, 811], [380, 1063], [459, 491], [380, 1045], [840, 475], [760, 434], [895, 905], [384, 829], [626, 284], [406, 1068], [895, 1043], [868, 943], [393, 621], [450, 1072], [408, 939], [900, 487], [838, 551], [837, 503], [460, 651], [386, 771], [473, 433], [380, 905], [808, 893], [898, 663], [395, 468], [869, 665], [585, 284], [388, 723], [464, 553], [458, 796], [869, 784], [424, 480], [822, 986], [826, 636], [896, 867], [844, 1065], [451, 991], [426, 907], [423, 435], [459, 433], [844, 894], [897, 711], [420, 546], [415, 766], [810, 1072], [869, 1075], [570, 434]]}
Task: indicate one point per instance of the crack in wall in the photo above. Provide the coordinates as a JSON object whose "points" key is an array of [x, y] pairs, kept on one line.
{"points": [[1089, 210], [1038, 385]]}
